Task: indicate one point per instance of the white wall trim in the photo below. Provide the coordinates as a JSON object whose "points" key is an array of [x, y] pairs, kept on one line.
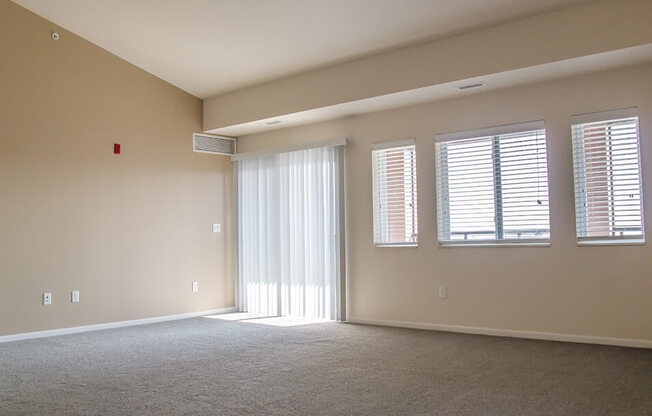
{"points": [[548, 336], [111, 325]]}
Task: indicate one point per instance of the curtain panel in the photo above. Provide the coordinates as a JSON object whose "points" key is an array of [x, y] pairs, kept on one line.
{"points": [[288, 207]]}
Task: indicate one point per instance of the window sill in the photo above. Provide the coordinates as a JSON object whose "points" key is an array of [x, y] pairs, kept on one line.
{"points": [[495, 244], [604, 243], [409, 245]]}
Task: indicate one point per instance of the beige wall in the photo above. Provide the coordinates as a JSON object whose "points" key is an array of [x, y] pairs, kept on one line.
{"points": [[599, 291], [585, 29], [130, 231]]}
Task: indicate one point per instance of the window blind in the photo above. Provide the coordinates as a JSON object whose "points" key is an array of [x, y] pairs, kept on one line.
{"points": [[289, 233], [395, 194], [493, 188], [607, 170]]}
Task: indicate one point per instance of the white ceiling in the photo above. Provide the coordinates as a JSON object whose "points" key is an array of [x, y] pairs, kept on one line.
{"points": [[207, 47]]}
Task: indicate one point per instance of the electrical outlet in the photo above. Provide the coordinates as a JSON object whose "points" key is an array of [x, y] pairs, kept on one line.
{"points": [[195, 286], [217, 227], [74, 296], [47, 298], [443, 292]]}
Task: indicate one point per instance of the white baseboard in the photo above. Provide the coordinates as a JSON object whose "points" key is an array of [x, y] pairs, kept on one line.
{"points": [[548, 336], [110, 325]]}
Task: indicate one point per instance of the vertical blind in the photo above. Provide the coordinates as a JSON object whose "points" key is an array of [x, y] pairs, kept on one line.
{"points": [[289, 233], [607, 170], [492, 185], [395, 193]]}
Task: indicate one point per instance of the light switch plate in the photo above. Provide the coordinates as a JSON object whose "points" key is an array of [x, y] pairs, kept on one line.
{"points": [[47, 298], [74, 296], [216, 228], [195, 286]]}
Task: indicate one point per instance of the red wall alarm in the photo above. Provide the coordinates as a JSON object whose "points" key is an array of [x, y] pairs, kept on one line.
{"points": [[116, 148]]}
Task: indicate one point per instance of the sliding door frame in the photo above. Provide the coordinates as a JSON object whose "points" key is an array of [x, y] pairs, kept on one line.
{"points": [[343, 288], [236, 239]]}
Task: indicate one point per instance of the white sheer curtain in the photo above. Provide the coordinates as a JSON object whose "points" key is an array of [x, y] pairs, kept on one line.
{"points": [[289, 233]]}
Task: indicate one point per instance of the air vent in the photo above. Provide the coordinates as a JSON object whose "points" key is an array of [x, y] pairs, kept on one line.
{"points": [[217, 145], [470, 86]]}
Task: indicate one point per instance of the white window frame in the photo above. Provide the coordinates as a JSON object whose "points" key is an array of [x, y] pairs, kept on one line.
{"points": [[375, 201], [486, 132], [594, 118]]}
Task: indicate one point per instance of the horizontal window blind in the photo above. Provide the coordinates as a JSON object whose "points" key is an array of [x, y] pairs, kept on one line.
{"points": [[494, 188], [395, 194], [607, 170]]}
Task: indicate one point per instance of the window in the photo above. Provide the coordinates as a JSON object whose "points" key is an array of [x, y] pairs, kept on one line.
{"points": [[395, 193], [492, 186], [607, 168]]}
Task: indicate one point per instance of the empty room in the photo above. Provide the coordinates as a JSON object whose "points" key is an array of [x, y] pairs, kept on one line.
{"points": [[325, 207]]}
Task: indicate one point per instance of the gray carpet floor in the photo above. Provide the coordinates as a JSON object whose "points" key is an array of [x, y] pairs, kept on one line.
{"points": [[205, 366]]}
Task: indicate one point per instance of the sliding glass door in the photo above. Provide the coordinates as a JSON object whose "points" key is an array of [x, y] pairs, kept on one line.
{"points": [[288, 207]]}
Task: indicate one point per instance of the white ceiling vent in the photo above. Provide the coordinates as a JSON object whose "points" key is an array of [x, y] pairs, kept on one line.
{"points": [[217, 145], [471, 86]]}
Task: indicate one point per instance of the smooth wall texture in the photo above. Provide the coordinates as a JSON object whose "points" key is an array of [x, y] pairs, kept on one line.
{"points": [[595, 291], [581, 30], [132, 231]]}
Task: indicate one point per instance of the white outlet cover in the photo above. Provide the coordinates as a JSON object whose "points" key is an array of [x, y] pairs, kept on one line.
{"points": [[195, 286], [216, 228], [74, 296], [47, 298], [443, 292]]}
